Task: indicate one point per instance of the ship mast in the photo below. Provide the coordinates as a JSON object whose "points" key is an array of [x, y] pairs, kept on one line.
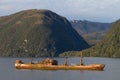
{"points": [[81, 57], [65, 63]]}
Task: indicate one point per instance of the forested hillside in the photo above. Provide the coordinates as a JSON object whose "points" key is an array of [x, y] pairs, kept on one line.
{"points": [[34, 33], [108, 47]]}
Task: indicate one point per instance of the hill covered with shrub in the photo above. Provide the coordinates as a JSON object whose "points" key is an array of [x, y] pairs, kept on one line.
{"points": [[108, 47], [35, 33]]}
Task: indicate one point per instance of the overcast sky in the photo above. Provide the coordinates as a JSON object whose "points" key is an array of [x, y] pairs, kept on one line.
{"points": [[93, 10]]}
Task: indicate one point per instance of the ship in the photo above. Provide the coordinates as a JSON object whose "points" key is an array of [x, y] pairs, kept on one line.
{"points": [[51, 64]]}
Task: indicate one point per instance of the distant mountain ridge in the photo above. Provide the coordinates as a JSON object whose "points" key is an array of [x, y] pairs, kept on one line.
{"points": [[110, 45], [35, 33], [93, 32], [85, 27]]}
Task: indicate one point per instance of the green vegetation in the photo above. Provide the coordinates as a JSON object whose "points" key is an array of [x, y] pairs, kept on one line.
{"points": [[45, 33], [108, 47]]}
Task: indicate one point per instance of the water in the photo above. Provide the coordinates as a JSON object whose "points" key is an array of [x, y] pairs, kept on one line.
{"points": [[111, 71]]}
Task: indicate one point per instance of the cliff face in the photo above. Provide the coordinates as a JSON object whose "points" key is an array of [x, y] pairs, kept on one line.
{"points": [[34, 33]]}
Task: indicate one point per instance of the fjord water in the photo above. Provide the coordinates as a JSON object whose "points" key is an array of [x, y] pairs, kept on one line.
{"points": [[111, 71]]}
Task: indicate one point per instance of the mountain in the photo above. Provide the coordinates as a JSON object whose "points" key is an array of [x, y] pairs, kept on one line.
{"points": [[34, 33], [86, 27], [93, 32], [110, 45]]}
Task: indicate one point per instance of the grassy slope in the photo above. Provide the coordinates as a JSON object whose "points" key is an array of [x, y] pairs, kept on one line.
{"points": [[47, 34]]}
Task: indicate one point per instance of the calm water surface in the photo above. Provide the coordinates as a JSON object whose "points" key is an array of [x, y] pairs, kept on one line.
{"points": [[111, 71]]}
